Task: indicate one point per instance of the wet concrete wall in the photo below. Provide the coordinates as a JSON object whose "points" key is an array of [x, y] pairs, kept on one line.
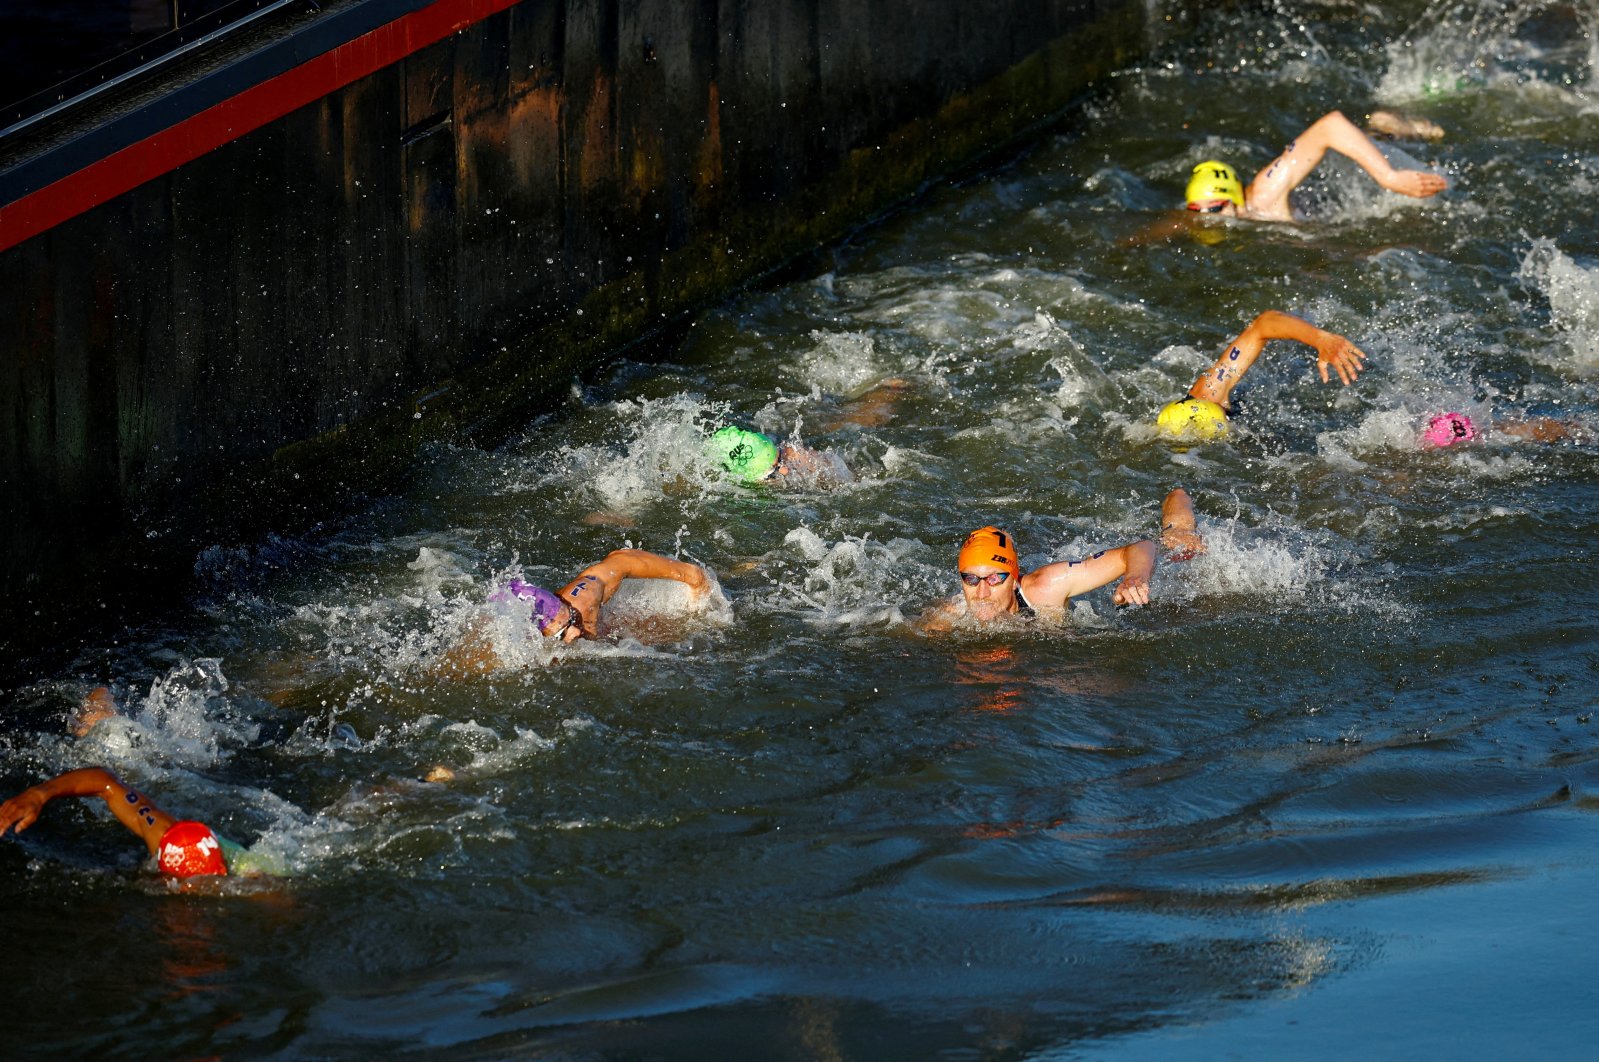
{"points": [[434, 250]]}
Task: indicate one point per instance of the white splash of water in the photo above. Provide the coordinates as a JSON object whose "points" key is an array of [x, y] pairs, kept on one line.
{"points": [[437, 569], [1573, 294], [842, 363], [185, 721], [641, 600], [853, 582], [1246, 561], [653, 447], [1387, 430], [1464, 46]]}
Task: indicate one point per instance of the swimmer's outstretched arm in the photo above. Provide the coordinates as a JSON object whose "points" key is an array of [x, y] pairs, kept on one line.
{"points": [[134, 811], [1160, 231], [1333, 352], [1054, 584], [596, 583], [1267, 195]]}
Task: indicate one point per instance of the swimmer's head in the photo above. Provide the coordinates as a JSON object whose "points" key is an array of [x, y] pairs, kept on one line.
{"points": [[988, 546], [547, 607], [1448, 428], [1192, 418], [1213, 186], [189, 849], [747, 455], [989, 571]]}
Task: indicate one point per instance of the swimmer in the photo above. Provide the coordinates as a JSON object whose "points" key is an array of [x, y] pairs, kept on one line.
{"points": [[1214, 187], [573, 612], [1204, 411], [992, 583], [753, 457], [1448, 429], [182, 849]]}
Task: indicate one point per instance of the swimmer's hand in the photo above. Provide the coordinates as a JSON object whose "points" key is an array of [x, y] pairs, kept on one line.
{"points": [[1342, 356], [698, 583], [1418, 184], [1132, 590], [22, 810]]}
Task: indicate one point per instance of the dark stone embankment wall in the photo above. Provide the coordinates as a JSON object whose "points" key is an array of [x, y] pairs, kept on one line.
{"points": [[436, 249]]}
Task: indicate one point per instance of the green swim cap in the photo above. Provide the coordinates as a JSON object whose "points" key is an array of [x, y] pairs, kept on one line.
{"points": [[748, 455]]}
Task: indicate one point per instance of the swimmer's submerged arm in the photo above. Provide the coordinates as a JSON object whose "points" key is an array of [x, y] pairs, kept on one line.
{"points": [[940, 618], [131, 808], [1333, 353], [1540, 429], [1054, 584]]}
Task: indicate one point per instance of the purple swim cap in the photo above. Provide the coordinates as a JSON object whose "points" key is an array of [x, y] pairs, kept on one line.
{"points": [[1447, 428], [546, 606]]}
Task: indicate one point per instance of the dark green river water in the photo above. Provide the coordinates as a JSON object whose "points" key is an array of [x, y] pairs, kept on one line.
{"points": [[1332, 793]]}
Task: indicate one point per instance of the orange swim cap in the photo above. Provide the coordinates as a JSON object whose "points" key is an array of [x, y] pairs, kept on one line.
{"points": [[989, 545]]}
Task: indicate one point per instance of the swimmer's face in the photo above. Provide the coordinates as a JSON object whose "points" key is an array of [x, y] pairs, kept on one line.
{"points": [[1224, 207], [794, 461], [989, 590], [568, 626]]}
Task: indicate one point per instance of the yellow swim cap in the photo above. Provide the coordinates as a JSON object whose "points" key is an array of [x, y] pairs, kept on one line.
{"points": [[1212, 181], [1193, 418]]}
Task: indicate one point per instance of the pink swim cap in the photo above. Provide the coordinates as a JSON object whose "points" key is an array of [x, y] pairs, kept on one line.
{"points": [[1447, 428]]}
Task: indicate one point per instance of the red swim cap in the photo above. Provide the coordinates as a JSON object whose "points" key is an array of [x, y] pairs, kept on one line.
{"points": [[188, 849]]}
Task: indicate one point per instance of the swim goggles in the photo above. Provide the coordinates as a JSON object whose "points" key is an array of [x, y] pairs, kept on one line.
{"points": [[1214, 207], [992, 579], [573, 619]]}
